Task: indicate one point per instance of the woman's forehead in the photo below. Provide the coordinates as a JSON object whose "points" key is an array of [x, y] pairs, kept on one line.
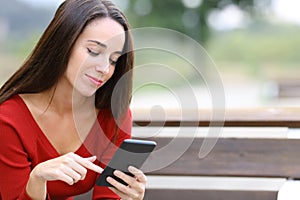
{"points": [[105, 30]]}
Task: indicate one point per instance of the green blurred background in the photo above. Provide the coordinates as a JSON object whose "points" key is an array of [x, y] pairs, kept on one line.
{"points": [[253, 43]]}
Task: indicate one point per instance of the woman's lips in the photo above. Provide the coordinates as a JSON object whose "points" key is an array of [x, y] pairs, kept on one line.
{"points": [[94, 80]]}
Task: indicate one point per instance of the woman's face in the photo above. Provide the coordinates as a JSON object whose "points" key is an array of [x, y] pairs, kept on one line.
{"points": [[94, 56]]}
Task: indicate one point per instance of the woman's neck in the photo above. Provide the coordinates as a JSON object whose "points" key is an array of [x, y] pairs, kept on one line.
{"points": [[67, 101]]}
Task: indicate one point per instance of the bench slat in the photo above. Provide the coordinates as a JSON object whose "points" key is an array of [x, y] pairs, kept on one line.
{"points": [[230, 157], [166, 194], [248, 117]]}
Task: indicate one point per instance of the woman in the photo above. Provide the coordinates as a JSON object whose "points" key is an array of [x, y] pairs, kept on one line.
{"points": [[62, 113]]}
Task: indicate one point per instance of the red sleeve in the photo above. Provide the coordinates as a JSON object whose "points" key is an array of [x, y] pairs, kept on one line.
{"points": [[124, 132], [15, 165]]}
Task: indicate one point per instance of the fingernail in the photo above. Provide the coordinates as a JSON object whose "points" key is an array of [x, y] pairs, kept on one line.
{"points": [[132, 169], [117, 172]]}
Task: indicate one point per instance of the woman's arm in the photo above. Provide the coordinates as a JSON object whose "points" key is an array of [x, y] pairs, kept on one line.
{"points": [[36, 187], [69, 168], [19, 182], [15, 165]]}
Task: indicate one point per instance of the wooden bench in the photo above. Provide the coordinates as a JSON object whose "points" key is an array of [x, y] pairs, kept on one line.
{"points": [[254, 157]]}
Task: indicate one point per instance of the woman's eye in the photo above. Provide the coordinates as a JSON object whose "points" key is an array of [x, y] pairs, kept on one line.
{"points": [[92, 53], [112, 62]]}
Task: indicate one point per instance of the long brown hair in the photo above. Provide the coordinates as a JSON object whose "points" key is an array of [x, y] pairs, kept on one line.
{"points": [[48, 61]]}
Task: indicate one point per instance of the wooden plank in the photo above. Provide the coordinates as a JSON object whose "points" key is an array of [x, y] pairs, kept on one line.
{"points": [[212, 188], [225, 132], [167, 194], [171, 194], [215, 183], [272, 117], [289, 190], [231, 157], [226, 123]]}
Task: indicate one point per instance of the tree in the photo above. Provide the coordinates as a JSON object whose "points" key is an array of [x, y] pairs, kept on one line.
{"points": [[186, 16]]}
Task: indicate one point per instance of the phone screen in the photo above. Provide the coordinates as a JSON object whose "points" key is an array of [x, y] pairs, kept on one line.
{"points": [[130, 153]]}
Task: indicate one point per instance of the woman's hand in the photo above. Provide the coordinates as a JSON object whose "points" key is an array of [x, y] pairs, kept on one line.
{"points": [[69, 168], [136, 185]]}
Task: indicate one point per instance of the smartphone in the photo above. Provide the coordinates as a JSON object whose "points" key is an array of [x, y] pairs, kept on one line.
{"points": [[131, 153]]}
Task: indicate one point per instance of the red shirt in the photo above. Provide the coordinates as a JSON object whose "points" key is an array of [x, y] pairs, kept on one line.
{"points": [[23, 146]]}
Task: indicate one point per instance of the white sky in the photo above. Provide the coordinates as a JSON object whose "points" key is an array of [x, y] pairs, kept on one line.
{"points": [[286, 9]]}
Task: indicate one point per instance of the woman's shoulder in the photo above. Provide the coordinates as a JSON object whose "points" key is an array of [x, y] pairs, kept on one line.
{"points": [[13, 116], [11, 105]]}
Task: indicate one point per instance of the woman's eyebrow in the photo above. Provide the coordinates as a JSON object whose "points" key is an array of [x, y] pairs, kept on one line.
{"points": [[98, 43], [103, 45]]}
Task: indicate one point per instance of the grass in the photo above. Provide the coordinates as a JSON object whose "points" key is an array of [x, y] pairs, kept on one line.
{"points": [[259, 52]]}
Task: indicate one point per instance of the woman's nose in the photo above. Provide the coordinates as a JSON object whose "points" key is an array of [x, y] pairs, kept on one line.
{"points": [[103, 67]]}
